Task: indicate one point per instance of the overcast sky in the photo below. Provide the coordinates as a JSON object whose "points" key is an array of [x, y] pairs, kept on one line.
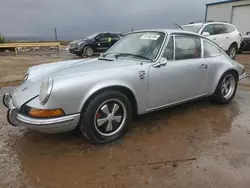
{"points": [[82, 17]]}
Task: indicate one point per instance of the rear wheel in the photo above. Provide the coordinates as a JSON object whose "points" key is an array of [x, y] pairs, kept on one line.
{"points": [[226, 88], [232, 51], [106, 118]]}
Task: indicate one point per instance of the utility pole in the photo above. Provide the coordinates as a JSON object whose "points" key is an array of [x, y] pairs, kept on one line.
{"points": [[56, 41], [55, 34]]}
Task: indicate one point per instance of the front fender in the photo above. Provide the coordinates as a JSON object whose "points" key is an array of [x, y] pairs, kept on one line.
{"points": [[104, 85]]}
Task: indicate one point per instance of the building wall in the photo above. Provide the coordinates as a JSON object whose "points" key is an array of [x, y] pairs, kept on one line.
{"points": [[223, 12]]}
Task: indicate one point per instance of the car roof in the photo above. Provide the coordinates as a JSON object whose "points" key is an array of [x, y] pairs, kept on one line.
{"points": [[167, 31], [206, 23]]}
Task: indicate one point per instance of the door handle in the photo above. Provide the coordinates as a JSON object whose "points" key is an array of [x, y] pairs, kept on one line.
{"points": [[214, 38], [203, 66]]}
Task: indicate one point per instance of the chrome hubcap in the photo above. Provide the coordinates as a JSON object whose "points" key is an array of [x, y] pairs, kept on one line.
{"points": [[110, 117], [232, 52], [228, 86]]}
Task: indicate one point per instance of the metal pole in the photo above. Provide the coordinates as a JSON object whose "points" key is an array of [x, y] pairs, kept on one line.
{"points": [[55, 34]]}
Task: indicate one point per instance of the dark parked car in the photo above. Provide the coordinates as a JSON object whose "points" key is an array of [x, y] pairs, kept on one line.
{"points": [[95, 43], [245, 44]]}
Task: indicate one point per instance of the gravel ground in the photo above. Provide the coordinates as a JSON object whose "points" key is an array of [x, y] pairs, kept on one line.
{"points": [[197, 144]]}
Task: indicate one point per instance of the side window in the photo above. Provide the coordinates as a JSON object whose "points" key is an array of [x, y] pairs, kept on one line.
{"points": [[103, 37], [113, 36], [219, 29], [169, 51], [229, 28], [209, 29], [210, 49], [187, 47]]}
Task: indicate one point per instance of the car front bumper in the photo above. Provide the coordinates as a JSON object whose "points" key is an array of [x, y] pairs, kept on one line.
{"points": [[75, 51], [50, 125]]}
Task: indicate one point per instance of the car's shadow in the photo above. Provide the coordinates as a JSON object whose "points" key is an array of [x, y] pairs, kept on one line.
{"points": [[142, 124]]}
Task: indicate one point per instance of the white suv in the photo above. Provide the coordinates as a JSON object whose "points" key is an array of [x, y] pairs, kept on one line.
{"points": [[224, 34]]}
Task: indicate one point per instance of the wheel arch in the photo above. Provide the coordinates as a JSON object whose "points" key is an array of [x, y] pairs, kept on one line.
{"points": [[234, 44], [128, 92], [220, 76]]}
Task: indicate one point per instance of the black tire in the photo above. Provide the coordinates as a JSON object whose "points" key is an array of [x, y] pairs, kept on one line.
{"points": [[88, 51], [88, 123], [218, 95], [232, 51]]}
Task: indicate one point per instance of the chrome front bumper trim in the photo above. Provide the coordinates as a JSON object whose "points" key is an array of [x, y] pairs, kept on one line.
{"points": [[51, 125], [242, 76]]}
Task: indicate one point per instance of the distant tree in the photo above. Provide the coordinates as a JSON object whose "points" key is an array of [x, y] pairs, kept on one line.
{"points": [[2, 38]]}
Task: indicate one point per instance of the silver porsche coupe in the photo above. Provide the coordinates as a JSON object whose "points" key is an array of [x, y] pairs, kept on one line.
{"points": [[145, 71]]}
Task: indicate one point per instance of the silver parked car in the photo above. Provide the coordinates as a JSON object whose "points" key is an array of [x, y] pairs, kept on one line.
{"points": [[145, 71]]}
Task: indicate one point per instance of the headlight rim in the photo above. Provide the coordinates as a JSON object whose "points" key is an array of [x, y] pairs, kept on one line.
{"points": [[26, 76], [50, 83]]}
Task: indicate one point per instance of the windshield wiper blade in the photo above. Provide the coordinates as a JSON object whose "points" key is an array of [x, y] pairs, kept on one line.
{"points": [[130, 54]]}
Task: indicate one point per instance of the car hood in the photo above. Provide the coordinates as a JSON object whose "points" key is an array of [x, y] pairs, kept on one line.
{"points": [[31, 87], [64, 68], [77, 41]]}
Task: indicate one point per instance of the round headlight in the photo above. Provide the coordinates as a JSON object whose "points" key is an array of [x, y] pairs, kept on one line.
{"points": [[45, 90], [26, 76]]}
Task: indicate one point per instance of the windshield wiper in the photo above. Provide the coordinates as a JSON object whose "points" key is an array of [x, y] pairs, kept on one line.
{"points": [[130, 54]]}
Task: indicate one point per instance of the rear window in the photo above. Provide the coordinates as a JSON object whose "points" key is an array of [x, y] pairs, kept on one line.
{"points": [[229, 28]]}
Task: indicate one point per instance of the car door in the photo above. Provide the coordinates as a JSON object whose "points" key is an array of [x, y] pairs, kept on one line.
{"points": [[101, 42], [220, 36], [184, 75]]}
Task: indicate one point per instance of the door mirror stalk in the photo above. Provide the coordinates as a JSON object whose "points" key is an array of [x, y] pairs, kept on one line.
{"points": [[162, 63]]}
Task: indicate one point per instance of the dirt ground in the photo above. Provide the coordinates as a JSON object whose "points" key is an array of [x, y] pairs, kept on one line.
{"points": [[198, 144], [13, 69]]}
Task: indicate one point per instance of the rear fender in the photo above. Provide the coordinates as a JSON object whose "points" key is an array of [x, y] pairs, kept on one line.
{"points": [[219, 76]]}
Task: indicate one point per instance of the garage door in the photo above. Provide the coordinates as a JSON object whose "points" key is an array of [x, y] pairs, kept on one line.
{"points": [[241, 18]]}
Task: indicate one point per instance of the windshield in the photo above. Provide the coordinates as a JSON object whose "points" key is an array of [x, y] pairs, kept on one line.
{"points": [[144, 44], [192, 28], [92, 36]]}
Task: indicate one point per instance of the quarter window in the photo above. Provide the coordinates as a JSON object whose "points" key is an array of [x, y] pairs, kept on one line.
{"points": [[219, 29], [229, 28], [187, 47], [169, 52], [210, 49]]}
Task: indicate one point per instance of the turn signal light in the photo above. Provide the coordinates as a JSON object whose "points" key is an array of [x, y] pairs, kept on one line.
{"points": [[45, 113]]}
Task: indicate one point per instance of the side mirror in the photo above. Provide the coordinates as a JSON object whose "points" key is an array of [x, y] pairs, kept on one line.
{"points": [[162, 63], [206, 34]]}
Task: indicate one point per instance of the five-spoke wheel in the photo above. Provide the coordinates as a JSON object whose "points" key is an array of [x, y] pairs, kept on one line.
{"points": [[107, 117], [226, 88]]}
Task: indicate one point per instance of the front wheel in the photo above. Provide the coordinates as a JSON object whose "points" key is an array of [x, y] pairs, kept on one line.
{"points": [[226, 88], [88, 51], [106, 118]]}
